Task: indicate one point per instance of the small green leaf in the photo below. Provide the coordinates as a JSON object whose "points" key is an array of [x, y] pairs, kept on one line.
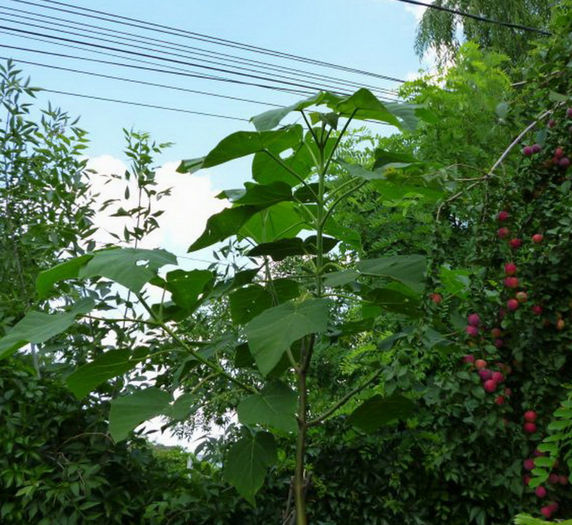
{"points": [[273, 331], [247, 461], [275, 407], [378, 411], [66, 270], [87, 377], [187, 287], [128, 412]]}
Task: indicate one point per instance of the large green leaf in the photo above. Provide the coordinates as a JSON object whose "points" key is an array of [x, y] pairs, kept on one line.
{"points": [[366, 106], [378, 411], [38, 327], [244, 143], [130, 267], [248, 302], [66, 270], [283, 248], [272, 332], [187, 287], [111, 364], [273, 223], [275, 407], [259, 194], [223, 225], [267, 169], [355, 170], [394, 301], [247, 461], [128, 412], [408, 269]]}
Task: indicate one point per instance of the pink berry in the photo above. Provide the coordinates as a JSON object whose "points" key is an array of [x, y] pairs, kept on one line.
{"points": [[503, 232], [485, 374], [503, 215], [529, 428], [510, 268], [515, 243], [527, 151], [511, 282], [569, 112], [536, 148], [558, 152], [553, 506], [540, 491], [498, 343], [551, 123], [497, 377], [499, 400], [512, 304], [496, 332], [537, 238], [530, 416], [562, 479], [490, 385], [522, 297], [537, 309], [564, 162], [473, 331], [507, 392], [546, 511], [528, 464], [469, 358], [526, 479]]}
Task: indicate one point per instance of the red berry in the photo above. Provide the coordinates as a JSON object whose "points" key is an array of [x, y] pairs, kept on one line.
{"points": [[553, 478], [515, 243], [485, 374], [526, 479], [537, 309], [473, 331], [558, 152], [512, 304], [480, 363], [536, 148], [529, 428], [562, 479], [436, 298], [537, 238], [554, 506], [522, 297], [540, 491], [507, 392], [499, 400], [503, 232], [496, 332], [469, 358], [560, 324], [490, 385], [511, 282], [527, 151], [551, 123], [528, 464], [474, 319], [497, 377], [510, 268], [530, 415], [503, 215], [499, 343], [569, 112], [564, 162]]}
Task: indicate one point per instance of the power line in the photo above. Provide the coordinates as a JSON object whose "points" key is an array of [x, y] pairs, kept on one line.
{"points": [[145, 83], [127, 36], [151, 26], [155, 70], [155, 50], [165, 108], [474, 17], [176, 61]]}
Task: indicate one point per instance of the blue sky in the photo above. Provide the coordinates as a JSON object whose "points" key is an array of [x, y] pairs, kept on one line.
{"points": [[374, 35]]}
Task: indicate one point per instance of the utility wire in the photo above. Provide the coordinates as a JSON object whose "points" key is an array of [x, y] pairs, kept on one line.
{"points": [[165, 108], [475, 17], [126, 36], [114, 18], [155, 70], [155, 50], [143, 82], [173, 60]]}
